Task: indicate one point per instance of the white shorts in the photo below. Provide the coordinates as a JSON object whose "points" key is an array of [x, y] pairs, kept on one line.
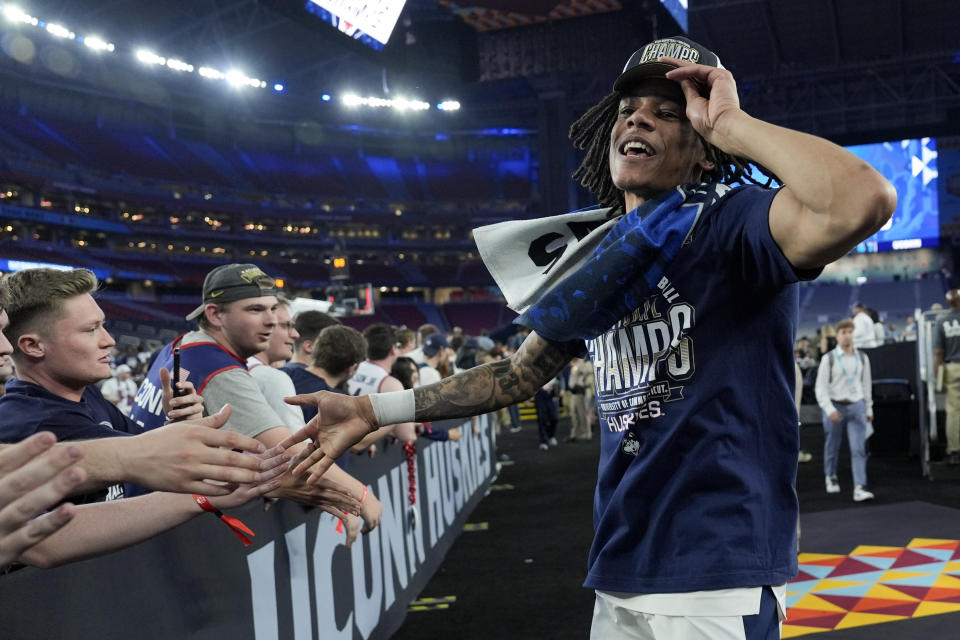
{"points": [[614, 622]]}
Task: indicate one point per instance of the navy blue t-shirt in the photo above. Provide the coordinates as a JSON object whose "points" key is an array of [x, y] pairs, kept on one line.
{"points": [[699, 439], [306, 382], [26, 409]]}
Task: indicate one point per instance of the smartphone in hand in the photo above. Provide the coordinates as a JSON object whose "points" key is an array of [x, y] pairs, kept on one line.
{"points": [[177, 392]]}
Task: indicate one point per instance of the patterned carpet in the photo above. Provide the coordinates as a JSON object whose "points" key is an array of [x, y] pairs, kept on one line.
{"points": [[873, 585]]}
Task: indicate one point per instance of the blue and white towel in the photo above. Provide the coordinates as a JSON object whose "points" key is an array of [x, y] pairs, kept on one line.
{"points": [[575, 275]]}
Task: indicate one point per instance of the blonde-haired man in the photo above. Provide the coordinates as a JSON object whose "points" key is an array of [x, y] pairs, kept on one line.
{"points": [[52, 319], [61, 348]]}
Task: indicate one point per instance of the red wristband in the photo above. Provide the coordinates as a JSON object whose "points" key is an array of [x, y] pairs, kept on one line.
{"points": [[238, 528]]}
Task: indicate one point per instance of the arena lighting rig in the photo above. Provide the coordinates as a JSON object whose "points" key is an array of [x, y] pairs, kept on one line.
{"points": [[16, 15]]}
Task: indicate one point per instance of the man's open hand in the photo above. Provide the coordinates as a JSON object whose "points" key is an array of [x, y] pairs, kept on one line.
{"points": [[323, 494], [341, 422], [274, 461], [33, 478], [180, 457]]}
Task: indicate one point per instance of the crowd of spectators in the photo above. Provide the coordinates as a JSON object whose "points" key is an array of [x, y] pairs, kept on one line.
{"points": [[148, 446]]}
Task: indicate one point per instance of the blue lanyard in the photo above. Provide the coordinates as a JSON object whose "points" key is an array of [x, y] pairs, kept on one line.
{"points": [[852, 378]]}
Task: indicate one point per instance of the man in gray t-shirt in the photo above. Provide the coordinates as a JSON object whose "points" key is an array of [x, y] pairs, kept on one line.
{"points": [[235, 322], [946, 352]]}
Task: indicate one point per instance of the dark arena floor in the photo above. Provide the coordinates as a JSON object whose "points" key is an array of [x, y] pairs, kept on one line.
{"points": [[521, 576]]}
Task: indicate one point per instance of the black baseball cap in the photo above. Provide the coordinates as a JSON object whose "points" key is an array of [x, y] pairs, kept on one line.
{"points": [[643, 63], [232, 282]]}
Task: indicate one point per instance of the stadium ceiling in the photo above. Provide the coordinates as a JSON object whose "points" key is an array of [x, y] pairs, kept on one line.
{"points": [[827, 66]]}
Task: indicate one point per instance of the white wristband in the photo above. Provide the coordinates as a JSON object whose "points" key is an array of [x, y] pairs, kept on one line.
{"points": [[393, 407]]}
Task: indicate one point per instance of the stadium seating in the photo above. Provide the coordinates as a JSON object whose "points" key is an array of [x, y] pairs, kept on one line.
{"points": [[408, 315], [475, 318]]}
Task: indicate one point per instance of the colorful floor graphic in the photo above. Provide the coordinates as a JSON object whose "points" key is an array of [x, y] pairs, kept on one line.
{"points": [[873, 585]]}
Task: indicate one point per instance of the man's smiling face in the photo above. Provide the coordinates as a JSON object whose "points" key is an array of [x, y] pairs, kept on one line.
{"points": [[653, 147]]}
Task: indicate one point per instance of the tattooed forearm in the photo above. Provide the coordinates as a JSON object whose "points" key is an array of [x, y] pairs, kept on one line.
{"points": [[493, 385]]}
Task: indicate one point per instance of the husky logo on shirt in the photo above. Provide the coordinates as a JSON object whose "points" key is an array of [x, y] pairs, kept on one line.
{"points": [[639, 359]]}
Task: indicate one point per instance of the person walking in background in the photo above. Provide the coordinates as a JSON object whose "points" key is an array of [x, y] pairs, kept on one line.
{"points": [[844, 395], [909, 330], [435, 363], [581, 400], [864, 335], [547, 414], [946, 354]]}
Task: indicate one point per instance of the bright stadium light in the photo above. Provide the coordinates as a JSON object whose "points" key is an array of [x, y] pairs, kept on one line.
{"points": [[210, 72], [402, 104], [236, 78], [239, 79], [179, 65], [97, 44], [149, 57], [60, 31], [13, 13], [399, 103]]}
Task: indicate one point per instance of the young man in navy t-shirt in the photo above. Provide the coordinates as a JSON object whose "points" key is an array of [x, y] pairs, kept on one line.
{"points": [[686, 300], [34, 478], [337, 352]]}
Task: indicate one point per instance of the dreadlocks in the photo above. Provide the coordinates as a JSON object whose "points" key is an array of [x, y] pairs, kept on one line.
{"points": [[592, 132]]}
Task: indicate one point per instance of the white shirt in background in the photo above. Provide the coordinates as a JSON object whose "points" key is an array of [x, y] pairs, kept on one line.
{"points": [[864, 335]]}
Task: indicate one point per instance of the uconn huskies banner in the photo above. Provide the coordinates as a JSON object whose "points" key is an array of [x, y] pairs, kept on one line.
{"points": [[297, 581]]}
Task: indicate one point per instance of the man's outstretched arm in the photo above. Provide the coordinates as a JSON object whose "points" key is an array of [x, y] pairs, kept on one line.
{"points": [[179, 457], [103, 527], [493, 385], [831, 199], [342, 421]]}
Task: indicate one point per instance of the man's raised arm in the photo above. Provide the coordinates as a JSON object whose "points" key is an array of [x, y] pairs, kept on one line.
{"points": [[342, 421], [831, 199]]}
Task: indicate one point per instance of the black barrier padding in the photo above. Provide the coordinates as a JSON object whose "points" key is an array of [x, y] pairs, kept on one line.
{"points": [[893, 369], [196, 581], [894, 360]]}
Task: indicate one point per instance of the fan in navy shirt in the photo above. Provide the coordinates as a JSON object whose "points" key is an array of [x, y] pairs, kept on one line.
{"points": [[337, 350], [26, 409], [306, 382], [308, 324], [61, 350]]}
